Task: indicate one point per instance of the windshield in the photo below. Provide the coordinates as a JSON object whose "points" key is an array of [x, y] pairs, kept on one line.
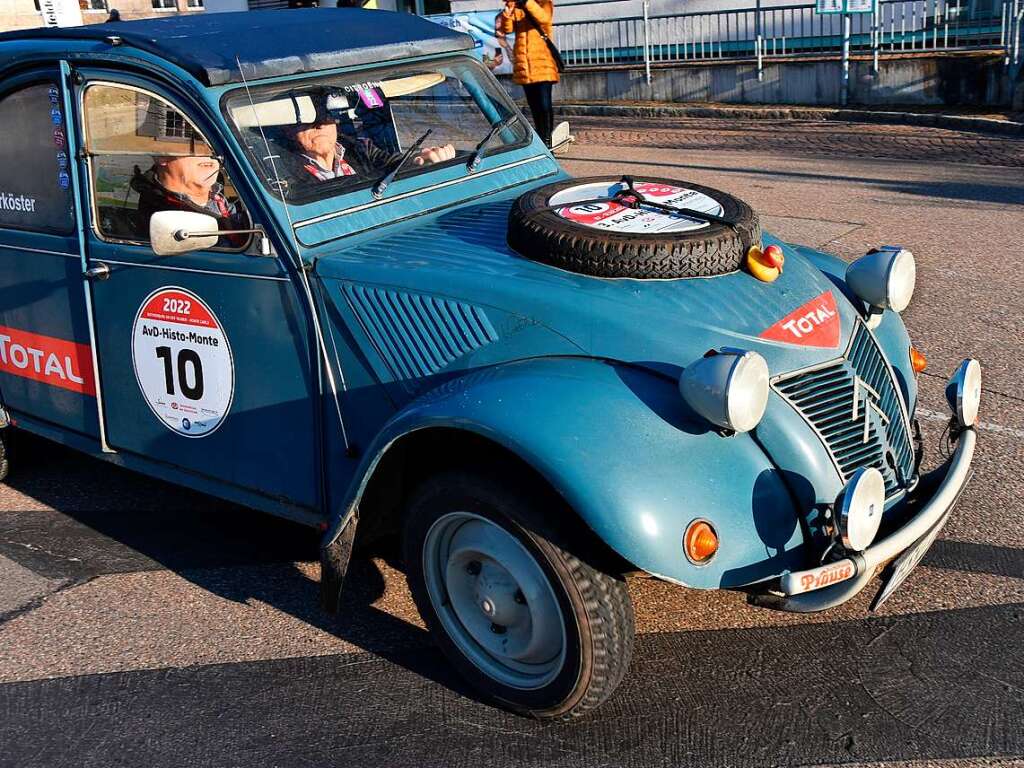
{"points": [[345, 132]]}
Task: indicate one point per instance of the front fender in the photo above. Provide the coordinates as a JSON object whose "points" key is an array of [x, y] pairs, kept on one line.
{"points": [[635, 464]]}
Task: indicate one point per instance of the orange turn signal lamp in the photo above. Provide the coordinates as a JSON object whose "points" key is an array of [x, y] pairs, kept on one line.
{"points": [[700, 542], [917, 360]]}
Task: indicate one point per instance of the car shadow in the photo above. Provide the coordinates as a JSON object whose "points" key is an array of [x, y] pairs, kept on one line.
{"points": [[109, 520], [877, 688]]}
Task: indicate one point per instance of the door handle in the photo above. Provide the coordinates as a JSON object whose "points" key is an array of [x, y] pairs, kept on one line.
{"points": [[98, 272]]}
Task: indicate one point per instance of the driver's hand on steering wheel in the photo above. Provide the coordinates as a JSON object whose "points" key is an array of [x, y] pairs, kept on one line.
{"points": [[430, 155]]}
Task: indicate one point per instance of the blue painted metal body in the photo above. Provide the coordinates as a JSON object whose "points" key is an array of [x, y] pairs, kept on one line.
{"points": [[431, 321]]}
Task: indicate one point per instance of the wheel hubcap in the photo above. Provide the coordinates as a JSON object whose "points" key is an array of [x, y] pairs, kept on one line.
{"points": [[494, 600]]}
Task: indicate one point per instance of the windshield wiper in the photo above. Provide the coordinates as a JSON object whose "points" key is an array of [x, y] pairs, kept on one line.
{"points": [[478, 150], [387, 178]]}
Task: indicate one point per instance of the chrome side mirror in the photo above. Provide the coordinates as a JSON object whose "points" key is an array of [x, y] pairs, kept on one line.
{"points": [[174, 232]]}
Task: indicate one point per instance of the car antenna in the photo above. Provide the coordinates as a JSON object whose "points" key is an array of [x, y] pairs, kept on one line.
{"points": [[299, 267]]}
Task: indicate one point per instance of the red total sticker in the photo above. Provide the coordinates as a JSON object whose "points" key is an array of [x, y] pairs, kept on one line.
{"points": [[58, 362], [815, 324]]}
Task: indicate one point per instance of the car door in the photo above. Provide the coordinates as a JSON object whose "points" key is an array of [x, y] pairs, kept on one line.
{"points": [[46, 372], [205, 361]]}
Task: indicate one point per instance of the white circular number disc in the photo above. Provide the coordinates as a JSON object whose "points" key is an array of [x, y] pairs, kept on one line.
{"points": [[613, 217], [183, 362]]}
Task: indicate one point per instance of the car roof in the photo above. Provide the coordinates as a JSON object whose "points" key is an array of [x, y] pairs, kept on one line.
{"points": [[266, 43]]}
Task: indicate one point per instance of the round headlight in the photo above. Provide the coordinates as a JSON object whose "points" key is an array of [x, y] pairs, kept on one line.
{"points": [[963, 392], [860, 509], [901, 281], [729, 388], [884, 278]]}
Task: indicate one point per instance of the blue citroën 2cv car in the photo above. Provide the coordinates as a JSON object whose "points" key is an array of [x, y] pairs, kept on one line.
{"points": [[317, 263]]}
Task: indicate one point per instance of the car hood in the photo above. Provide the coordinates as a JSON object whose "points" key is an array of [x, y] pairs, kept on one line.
{"points": [[661, 324]]}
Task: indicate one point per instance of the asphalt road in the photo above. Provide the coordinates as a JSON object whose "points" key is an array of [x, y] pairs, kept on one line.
{"points": [[144, 625]]}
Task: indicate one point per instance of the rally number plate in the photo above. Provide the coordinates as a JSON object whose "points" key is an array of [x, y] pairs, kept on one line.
{"points": [[905, 563]]}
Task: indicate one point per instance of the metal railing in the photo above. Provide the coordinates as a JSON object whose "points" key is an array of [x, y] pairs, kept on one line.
{"points": [[1012, 39], [788, 30]]}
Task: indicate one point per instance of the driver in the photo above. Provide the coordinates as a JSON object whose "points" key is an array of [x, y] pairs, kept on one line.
{"points": [[323, 154], [187, 183]]}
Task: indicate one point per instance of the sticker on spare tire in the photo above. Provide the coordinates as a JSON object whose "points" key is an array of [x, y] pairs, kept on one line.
{"points": [[183, 362], [613, 217]]}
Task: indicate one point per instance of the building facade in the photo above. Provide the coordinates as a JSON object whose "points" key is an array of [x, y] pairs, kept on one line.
{"points": [[21, 14]]}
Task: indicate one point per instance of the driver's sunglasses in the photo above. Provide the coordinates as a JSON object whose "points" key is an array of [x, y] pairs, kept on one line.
{"points": [[210, 156], [199, 148]]}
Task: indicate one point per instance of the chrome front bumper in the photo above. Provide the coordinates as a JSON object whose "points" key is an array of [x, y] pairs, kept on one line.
{"points": [[824, 587]]}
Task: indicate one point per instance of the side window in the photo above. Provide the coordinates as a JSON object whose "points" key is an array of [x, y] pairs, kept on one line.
{"points": [[146, 156], [35, 183]]}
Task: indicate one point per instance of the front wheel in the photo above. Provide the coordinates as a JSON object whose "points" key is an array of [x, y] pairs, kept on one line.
{"points": [[523, 620]]}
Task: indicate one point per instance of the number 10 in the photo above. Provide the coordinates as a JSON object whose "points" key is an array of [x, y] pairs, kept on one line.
{"points": [[186, 358]]}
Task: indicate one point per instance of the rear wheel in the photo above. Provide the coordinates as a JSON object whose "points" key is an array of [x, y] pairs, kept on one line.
{"points": [[5, 465], [523, 620]]}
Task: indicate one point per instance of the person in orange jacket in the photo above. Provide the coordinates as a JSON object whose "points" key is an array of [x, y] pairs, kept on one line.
{"points": [[534, 67]]}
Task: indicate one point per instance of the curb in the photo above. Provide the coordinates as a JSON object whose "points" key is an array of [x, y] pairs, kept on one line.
{"points": [[952, 122]]}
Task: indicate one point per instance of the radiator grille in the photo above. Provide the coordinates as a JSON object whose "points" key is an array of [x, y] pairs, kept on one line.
{"points": [[418, 335], [841, 398]]}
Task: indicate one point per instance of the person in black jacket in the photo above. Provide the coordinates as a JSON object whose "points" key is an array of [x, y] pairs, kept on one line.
{"points": [[324, 155], [187, 183], [322, 152]]}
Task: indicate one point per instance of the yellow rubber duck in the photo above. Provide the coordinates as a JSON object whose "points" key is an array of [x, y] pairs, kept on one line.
{"points": [[765, 264]]}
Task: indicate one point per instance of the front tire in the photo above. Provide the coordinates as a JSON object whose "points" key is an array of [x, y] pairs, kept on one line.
{"points": [[526, 622]]}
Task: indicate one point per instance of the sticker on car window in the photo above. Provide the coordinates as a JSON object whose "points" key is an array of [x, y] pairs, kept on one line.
{"points": [[371, 98], [183, 362]]}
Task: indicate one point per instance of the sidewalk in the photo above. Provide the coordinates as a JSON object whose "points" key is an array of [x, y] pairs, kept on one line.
{"points": [[976, 119]]}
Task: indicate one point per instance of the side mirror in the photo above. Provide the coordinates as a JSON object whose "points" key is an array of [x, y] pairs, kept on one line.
{"points": [[174, 232]]}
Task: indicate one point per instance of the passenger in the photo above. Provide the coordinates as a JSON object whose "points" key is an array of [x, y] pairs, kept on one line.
{"points": [[324, 155], [187, 183]]}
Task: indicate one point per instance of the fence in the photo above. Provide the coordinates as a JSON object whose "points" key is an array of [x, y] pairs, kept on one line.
{"points": [[788, 30], [1012, 40]]}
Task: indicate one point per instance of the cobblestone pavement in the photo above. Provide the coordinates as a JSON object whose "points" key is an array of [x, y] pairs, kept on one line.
{"points": [[810, 138], [146, 625]]}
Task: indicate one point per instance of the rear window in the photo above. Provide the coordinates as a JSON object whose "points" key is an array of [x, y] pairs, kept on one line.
{"points": [[35, 174]]}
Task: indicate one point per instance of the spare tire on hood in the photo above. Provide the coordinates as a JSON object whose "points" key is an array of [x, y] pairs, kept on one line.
{"points": [[611, 227]]}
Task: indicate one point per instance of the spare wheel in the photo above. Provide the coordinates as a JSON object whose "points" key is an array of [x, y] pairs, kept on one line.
{"points": [[643, 228]]}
